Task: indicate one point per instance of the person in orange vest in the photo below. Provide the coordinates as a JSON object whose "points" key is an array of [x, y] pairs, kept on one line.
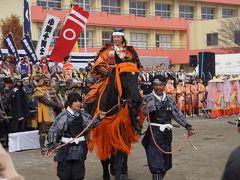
{"points": [[201, 95], [169, 89], [188, 99], [181, 96], [68, 67], [194, 91]]}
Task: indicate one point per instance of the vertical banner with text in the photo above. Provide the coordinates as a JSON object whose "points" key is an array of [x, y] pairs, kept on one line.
{"points": [[49, 26], [11, 46], [28, 47]]}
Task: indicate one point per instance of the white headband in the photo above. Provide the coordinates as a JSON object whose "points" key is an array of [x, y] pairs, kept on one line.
{"points": [[118, 33]]}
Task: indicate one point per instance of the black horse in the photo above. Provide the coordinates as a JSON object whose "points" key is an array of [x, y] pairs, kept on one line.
{"points": [[112, 100]]}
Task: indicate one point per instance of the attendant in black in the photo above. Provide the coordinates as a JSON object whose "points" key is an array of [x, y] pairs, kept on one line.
{"points": [[67, 126], [161, 109]]}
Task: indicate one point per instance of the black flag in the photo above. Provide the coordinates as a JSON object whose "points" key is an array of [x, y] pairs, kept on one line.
{"points": [[28, 47], [11, 46]]}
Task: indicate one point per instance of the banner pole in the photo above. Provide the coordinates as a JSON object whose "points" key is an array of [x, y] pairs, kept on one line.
{"points": [[85, 30]]}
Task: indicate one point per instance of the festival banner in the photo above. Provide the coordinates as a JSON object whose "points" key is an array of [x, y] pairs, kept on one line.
{"points": [[69, 34], [27, 26], [28, 47], [49, 26], [11, 46]]}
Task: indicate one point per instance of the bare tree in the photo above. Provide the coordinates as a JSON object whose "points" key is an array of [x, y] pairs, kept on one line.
{"points": [[229, 34], [12, 24]]}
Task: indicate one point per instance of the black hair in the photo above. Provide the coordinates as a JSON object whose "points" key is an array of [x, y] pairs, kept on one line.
{"points": [[72, 97], [159, 77]]}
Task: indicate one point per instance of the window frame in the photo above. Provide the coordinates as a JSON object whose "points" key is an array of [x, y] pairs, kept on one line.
{"points": [[188, 12], [161, 12], [136, 10], [160, 43], [87, 4], [111, 9], [211, 40], [137, 42], [207, 15], [89, 39], [56, 4], [106, 40], [233, 12]]}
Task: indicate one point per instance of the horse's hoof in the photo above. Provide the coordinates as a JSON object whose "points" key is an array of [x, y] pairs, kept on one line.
{"points": [[124, 177]]}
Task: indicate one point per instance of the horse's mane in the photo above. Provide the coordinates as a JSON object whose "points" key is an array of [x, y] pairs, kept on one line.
{"points": [[110, 95]]}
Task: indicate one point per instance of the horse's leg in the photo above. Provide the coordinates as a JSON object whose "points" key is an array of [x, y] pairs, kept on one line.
{"points": [[112, 161], [120, 162], [125, 166], [105, 163]]}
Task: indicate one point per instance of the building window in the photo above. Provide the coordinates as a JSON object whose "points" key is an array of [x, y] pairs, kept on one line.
{"points": [[111, 6], [207, 13], [106, 37], [163, 10], [237, 37], [81, 3], [212, 39], [137, 8], [138, 40], [164, 41], [226, 13], [89, 39], [49, 4], [186, 12]]}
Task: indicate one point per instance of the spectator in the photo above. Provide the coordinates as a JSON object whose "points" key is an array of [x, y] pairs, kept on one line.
{"points": [[24, 67], [19, 107], [68, 67], [44, 67], [89, 66]]}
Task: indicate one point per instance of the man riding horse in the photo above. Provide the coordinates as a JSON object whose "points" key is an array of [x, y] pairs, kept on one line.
{"points": [[115, 66]]}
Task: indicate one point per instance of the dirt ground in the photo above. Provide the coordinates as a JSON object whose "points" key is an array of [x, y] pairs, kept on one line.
{"points": [[215, 139]]}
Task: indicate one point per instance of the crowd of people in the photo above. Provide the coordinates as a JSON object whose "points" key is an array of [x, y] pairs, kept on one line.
{"points": [[20, 83], [32, 94]]}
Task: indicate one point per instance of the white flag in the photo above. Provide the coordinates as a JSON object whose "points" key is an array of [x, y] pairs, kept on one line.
{"points": [[49, 26]]}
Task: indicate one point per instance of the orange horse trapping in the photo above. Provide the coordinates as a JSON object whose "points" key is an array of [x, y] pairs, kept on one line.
{"points": [[116, 132]]}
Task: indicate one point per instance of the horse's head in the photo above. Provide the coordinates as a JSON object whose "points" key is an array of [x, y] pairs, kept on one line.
{"points": [[122, 87]]}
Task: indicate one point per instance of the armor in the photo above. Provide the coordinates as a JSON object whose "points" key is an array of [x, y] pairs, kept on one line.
{"points": [[161, 110], [69, 125]]}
